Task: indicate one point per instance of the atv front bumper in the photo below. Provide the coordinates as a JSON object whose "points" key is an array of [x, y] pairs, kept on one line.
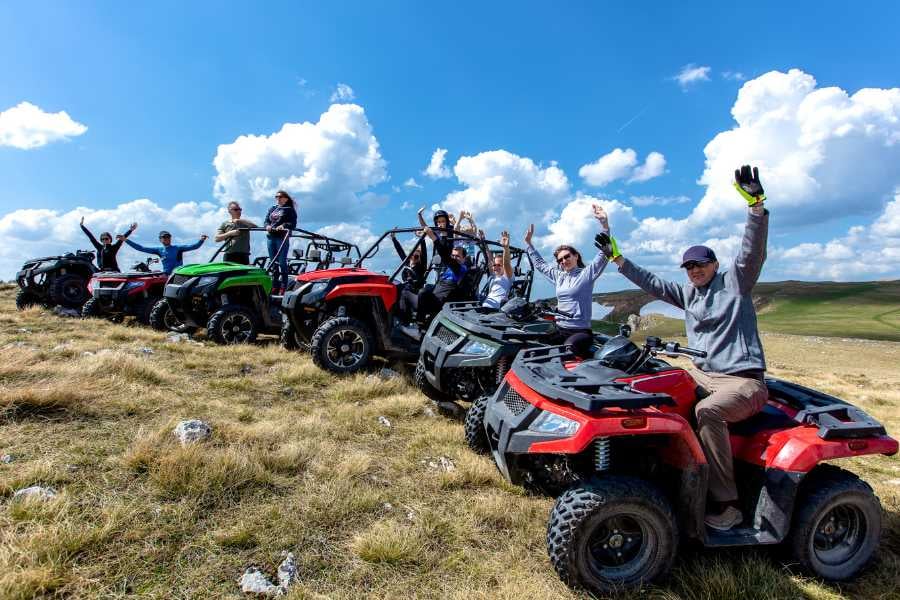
{"points": [[191, 303], [506, 422], [447, 347]]}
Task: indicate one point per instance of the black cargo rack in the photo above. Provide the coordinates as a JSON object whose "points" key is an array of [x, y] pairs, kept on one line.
{"points": [[589, 387], [835, 418], [492, 324]]}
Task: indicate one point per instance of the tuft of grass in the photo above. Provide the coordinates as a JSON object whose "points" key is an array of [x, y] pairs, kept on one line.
{"points": [[391, 543]]}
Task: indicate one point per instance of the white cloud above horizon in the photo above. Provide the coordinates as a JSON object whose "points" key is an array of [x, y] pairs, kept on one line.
{"points": [[622, 164], [691, 74], [436, 168], [342, 93], [26, 127]]}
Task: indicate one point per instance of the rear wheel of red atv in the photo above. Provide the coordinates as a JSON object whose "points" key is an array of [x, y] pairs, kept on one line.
{"points": [[476, 436], [91, 309], [232, 324], [25, 300], [341, 345], [615, 533], [837, 524], [69, 290]]}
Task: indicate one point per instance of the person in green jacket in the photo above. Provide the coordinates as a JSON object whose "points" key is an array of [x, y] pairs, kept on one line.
{"points": [[234, 230]]}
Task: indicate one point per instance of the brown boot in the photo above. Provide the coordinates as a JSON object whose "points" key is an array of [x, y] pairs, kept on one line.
{"points": [[724, 520]]}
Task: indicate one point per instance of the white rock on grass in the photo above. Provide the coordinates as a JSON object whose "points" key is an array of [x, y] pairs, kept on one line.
{"points": [[386, 373], [254, 582], [442, 463], [192, 431], [174, 338], [145, 350], [36, 491], [384, 421], [6, 459]]}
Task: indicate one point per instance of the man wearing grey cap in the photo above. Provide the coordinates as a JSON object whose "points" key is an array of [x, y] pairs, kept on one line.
{"points": [[170, 254], [720, 319]]}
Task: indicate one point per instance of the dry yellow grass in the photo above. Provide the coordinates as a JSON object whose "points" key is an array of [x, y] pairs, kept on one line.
{"points": [[299, 461]]}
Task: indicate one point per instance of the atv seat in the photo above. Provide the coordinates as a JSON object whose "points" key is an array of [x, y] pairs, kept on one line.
{"points": [[769, 418]]}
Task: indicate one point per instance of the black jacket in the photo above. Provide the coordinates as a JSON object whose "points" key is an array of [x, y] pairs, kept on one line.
{"points": [[106, 254]]}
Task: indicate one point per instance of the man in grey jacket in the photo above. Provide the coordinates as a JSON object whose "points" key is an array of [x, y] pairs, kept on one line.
{"points": [[720, 319]]}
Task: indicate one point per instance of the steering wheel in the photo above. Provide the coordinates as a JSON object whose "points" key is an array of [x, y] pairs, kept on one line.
{"points": [[407, 274]]}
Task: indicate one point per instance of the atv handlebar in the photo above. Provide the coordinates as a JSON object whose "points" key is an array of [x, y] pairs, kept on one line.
{"points": [[654, 344]]}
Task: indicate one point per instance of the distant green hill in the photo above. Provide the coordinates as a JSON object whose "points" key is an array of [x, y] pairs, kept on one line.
{"points": [[868, 310]]}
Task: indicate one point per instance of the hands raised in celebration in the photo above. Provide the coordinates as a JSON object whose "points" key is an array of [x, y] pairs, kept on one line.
{"points": [[600, 215], [504, 239], [528, 233], [746, 182]]}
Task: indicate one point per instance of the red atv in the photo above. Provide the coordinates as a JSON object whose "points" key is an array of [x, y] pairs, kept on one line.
{"points": [[137, 293], [615, 435], [345, 316]]}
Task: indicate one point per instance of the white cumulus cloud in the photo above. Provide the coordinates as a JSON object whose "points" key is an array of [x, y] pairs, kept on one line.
{"points": [[327, 166], [651, 200], [691, 74], [436, 168], [622, 164], [342, 93], [26, 126], [411, 183]]}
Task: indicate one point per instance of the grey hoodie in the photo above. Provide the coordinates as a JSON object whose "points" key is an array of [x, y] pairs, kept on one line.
{"points": [[573, 289], [719, 317]]}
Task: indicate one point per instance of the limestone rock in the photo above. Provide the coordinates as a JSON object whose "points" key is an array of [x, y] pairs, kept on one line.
{"points": [[192, 430]]}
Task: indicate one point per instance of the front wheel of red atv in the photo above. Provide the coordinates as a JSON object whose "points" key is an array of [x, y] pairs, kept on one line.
{"points": [[476, 436], [91, 309], [614, 533], [289, 338], [341, 345], [837, 524]]}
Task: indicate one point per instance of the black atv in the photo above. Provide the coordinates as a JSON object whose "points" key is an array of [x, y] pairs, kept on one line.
{"points": [[468, 348], [55, 280]]}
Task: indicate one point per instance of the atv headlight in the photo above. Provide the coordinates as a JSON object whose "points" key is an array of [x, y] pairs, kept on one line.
{"points": [[133, 284], [315, 292], [478, 347], [549, 422], [208, 280]]}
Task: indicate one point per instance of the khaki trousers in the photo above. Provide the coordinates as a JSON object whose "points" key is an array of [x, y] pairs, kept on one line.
{"points": [[730, 399]]}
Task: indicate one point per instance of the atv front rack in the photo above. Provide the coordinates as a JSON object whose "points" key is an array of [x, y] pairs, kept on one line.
{"points": [[589, 386], [835, 418], [489, 323]]}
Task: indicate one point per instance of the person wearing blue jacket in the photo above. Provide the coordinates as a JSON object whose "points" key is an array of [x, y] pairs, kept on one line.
{"points": [[170, 254], [280, 220]]}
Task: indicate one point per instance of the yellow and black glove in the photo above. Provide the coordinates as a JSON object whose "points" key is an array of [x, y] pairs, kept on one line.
{"points": [[748, 185], [607, 245]]}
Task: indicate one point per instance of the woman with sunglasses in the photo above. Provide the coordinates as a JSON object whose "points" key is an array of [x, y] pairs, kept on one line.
{"points": [[106, 249], [280, 220], [574, 286], [417, 263], [234, 231]]}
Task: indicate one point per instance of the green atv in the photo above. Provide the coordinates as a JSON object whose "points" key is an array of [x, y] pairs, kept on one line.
{"points": [[234, 302]]}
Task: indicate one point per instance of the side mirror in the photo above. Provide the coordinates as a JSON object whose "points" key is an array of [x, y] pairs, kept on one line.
{"points": [[314, 254], [625, 330], [346, 260], [297, 254]]}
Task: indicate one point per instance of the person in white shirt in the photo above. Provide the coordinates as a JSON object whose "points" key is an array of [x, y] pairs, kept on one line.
{"points": [[501, 277]]}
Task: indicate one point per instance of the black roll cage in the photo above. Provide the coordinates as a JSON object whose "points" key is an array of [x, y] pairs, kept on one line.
{"points": [[332, 247]]}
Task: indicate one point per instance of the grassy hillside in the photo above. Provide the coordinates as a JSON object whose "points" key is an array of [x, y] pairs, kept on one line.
{"points": [[299, 461], [868, 310]]}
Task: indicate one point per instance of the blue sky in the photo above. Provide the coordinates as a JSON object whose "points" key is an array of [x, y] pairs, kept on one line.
{"points": [[160, 86]]}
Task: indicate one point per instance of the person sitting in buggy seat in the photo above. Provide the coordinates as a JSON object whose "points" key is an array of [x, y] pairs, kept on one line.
{"points": [[501, 280], [418, 263]]}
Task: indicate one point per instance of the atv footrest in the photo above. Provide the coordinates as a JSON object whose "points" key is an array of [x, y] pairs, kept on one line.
{"points": [[837, 421], [738, 536]]}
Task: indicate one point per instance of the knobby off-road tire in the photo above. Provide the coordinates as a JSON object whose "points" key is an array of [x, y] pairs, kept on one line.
{"points": [[146, 310], [162, 318], [611, 534], [425, 387], [476, 436], [91, 309], [69, 290], [25, 300], [232, 324], [837, 524], [288, 337], [341, 345]]}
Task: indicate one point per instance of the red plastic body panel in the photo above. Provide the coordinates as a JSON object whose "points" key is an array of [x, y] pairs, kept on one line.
{"points": [[334, 273], [609, 423], [148, 281], [387, 292], [677, 383], [799, 449]]}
